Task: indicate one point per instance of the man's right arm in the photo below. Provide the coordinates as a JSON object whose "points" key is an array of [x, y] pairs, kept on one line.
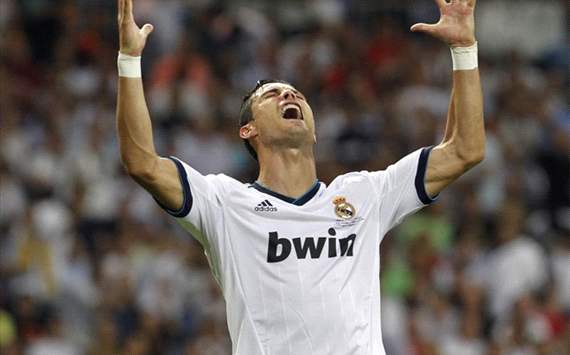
{"points": [[157, 175]]}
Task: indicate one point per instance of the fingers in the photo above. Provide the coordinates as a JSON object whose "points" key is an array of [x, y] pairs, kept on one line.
{"points": [[128, 8], [440, 3], [146, 29], [423, 27], [470, 3], [125, 9], [120, 6]]}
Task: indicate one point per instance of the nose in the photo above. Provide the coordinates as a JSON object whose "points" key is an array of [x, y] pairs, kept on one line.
{"points": [[288, 94]]}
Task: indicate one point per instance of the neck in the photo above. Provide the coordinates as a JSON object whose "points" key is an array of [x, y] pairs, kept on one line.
{"points": [[290, 172]]}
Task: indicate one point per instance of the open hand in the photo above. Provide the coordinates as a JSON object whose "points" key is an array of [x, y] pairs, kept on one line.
{"points": [[132, 39], [456, 25]]}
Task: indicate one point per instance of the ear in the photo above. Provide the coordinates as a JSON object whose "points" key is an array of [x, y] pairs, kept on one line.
{"points": [[247, 131]]}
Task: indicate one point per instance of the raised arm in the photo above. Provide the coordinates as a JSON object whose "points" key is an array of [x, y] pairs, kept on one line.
{"points": [[157, 175], [463, 145]]}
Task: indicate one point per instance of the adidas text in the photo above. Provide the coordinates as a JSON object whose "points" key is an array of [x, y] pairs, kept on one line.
{"points": [[265, 206]]}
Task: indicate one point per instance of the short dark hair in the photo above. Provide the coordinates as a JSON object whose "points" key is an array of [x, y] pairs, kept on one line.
{"points": [[246, 114]]}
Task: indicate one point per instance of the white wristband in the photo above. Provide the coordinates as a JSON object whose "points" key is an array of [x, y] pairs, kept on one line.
{"points": [[129, 66], [464, 58]]}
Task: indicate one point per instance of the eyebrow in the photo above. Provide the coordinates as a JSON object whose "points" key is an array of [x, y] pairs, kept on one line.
{"points": [[276, 89]]}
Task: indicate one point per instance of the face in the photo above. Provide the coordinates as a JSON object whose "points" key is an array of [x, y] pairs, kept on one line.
{"points": [[281, 116]]}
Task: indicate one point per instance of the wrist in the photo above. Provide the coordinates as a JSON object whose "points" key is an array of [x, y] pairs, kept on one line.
{"points": [[129, 51], [465, 58], [466, 43], [129, 66]]}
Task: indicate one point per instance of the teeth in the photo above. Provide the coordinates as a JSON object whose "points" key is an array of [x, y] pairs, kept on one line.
{"points": [[288, 106]]}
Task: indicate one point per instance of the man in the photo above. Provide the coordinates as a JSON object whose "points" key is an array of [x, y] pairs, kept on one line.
{"points": [[297, 260]]}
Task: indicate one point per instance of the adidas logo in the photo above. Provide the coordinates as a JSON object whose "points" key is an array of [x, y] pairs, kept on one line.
{"points": [[265, 206]]}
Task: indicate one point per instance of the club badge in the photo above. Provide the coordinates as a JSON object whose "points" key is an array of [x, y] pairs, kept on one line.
{"points": [[343, 209]]}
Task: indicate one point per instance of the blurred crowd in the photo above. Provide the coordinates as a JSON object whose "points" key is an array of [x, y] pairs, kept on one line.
{"points": [[90, 265]]}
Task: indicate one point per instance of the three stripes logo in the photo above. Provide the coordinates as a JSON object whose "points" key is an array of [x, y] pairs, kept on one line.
{"points": [[265, 206]]}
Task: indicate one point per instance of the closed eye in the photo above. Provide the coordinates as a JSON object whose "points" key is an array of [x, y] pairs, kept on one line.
{"points": [[276, 92], [270, 93]]}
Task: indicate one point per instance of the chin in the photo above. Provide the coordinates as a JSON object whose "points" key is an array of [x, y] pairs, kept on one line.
{"points": [[299, 130], [299, 137]]}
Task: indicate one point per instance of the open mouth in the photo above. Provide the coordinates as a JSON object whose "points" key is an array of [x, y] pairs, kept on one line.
{"points": [[292, 112]]}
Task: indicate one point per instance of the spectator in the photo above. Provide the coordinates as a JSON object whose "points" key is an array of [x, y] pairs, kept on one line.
{"points": [[89, 266]]}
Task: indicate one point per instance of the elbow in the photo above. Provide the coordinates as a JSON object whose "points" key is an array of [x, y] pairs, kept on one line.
{"points": [[475, 160], [472, 157], [140, 172]]}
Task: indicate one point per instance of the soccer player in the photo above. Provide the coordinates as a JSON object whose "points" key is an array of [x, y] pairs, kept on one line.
{"points": [[297, 260]]}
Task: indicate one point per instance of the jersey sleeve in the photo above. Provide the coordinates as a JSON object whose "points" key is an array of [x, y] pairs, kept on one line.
{"points": [[201, 211], [401, 187]]}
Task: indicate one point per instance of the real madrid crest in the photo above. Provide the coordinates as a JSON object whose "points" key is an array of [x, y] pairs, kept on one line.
{"points": [[343, 209]]}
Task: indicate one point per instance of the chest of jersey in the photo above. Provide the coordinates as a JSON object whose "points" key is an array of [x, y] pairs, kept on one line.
{"points": [[270, 234], [301, 265]]}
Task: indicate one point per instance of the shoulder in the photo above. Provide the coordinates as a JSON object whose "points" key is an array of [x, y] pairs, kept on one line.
{"points": [[226, 180], [226, 184], [354, 178], [206, 184]]}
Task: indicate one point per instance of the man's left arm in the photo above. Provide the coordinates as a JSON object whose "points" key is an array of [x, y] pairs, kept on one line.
{"points": [[464, 142]]}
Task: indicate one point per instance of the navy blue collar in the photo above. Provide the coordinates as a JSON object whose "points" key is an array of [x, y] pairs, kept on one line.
{"points": [[296, 201]]}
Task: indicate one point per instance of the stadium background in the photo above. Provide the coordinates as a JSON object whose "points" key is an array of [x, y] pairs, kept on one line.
{"points": [[90, 265]]}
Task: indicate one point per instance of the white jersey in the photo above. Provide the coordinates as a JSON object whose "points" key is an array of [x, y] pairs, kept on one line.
{"points": [[301, 276]]}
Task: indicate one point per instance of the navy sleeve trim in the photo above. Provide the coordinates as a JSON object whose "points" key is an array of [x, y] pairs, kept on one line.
{"points": [[186, 193], [420, 177]]}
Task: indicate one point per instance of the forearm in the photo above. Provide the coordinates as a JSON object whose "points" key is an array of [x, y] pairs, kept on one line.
{"points": [[463, 145], [450, 123], [157, 176], [134, 128], [468, 135]]}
